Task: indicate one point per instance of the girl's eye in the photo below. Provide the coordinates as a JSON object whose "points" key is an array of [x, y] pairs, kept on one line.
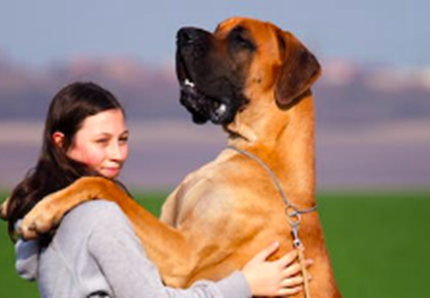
{"points": [[123, 139], [102, 141]]}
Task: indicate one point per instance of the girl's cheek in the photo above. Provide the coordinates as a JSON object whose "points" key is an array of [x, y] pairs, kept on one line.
{"points": [[91, 158], [94, 159]]}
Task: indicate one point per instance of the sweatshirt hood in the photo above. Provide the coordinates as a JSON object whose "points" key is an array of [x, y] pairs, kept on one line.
{"points": [[27, 258]]}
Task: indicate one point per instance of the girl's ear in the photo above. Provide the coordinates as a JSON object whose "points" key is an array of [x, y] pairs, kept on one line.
{"points": [[58, 139]]}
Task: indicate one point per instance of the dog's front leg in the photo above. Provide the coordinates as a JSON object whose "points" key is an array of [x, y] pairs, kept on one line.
{"points": [[50, 210], [165, 245]]}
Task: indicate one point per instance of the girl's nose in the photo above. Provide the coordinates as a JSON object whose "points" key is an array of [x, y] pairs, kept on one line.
{"points": [[117, 152]]}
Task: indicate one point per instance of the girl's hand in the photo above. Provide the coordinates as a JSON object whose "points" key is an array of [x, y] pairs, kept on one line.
{"points": [[277, 278]]}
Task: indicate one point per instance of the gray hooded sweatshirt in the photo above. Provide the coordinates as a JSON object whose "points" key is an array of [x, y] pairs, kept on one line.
{"points": [[95, 253]]}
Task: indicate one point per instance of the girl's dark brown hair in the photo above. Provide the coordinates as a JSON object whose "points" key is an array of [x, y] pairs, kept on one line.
{"points": [[54, 170]]}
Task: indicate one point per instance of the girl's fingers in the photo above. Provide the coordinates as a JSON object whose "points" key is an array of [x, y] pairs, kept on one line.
{"points": [[293, 281], [292, 270], [267, 252], [287, 259], [295, 268], [290, 291]]}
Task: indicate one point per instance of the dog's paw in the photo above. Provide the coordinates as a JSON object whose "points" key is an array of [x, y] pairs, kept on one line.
{"points": [[3, 210], [38, 221]]}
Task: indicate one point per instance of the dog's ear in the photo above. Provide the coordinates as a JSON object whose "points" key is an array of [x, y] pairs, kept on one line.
{"points": [[299, 70]]}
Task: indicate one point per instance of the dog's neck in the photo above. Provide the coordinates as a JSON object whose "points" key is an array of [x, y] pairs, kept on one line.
{"points": [[285, 141]]}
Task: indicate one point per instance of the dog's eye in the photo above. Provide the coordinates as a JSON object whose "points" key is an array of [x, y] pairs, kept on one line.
{"points": [[237, 38], [241, 39]]}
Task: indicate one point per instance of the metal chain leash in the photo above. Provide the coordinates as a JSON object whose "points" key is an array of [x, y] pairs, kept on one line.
{"points": [[293, 216]]}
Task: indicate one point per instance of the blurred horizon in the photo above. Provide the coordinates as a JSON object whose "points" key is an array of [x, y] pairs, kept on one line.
{"points": [[372, 128]]}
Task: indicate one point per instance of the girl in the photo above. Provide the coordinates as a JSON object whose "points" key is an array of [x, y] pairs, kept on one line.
{"points": [[94, 252]]}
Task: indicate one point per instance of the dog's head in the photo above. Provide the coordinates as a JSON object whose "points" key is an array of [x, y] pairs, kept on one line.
{"points": [[222, 73]]}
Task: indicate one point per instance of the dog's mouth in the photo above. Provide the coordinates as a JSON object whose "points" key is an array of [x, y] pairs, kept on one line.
{"points": [[214, 100]]}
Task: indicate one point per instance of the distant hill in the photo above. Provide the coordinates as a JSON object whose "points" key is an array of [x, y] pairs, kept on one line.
{"points": [[347, 94], [145, 92]]}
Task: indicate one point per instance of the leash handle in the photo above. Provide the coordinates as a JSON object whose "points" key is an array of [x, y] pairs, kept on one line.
{"points": [[300, 250], [301, 254]]}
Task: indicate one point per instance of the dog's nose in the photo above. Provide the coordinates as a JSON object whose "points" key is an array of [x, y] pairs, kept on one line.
{"points": [[189, 35]]}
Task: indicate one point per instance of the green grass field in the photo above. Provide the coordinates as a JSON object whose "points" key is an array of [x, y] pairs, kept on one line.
{"points": [[378, 241]]}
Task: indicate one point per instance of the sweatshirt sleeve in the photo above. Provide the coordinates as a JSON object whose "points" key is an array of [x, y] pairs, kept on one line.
{"points": [[122, 259]]}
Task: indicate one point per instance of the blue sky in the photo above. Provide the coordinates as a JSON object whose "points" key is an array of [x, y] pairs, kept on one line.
{"points": [[393, 32]]}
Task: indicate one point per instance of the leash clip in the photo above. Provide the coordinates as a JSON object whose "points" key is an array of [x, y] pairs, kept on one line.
{"points": [[293, 216], [296, 240]]}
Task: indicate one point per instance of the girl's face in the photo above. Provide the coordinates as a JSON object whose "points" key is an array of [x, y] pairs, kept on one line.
{"points": [[102, 143]]}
